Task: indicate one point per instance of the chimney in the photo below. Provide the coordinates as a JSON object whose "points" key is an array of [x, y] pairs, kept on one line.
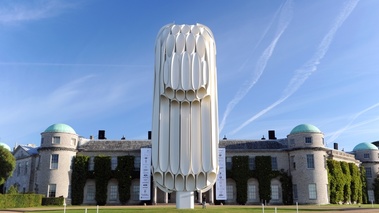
{"points": [[271, 135], [224, 138], [91, 137], [335, 145], [263, 137], [101, 135], [149, 135]]}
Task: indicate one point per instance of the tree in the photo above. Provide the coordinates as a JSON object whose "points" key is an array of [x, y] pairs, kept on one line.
{"points": [[7, 162]]}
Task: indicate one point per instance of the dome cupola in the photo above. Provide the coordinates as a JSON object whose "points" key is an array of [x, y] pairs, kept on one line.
{"points": [[303, 128], [59, 135], [63, 128], [305, 135]]}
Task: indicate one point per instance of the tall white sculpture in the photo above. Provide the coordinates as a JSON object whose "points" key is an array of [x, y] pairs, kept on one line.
{"points": [[185, 117]]}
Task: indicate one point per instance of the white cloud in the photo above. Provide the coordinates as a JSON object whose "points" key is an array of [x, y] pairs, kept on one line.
{"points": [[12, 12]]}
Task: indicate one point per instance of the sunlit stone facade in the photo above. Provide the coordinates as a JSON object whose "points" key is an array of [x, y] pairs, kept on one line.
{"points": [[302, 155]]}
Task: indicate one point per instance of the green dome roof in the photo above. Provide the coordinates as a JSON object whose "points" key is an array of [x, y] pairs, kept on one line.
{"points": [[5, 146], [365, 146], [305, 128], [60, 128]]}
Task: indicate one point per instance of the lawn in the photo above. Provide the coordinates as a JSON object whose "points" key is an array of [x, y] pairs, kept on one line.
{"points": [[198, 208]]}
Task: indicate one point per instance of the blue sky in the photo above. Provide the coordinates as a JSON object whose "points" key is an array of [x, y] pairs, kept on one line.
{"points": [[89, 64]]}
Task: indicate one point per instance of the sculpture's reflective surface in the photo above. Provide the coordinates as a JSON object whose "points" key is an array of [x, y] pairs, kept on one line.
{"points": [[185, 122]]}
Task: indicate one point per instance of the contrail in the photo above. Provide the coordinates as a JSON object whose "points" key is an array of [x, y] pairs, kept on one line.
{"points": [[349, 125], [284, 20], [262, 36], [67, 64], [302, 74]]}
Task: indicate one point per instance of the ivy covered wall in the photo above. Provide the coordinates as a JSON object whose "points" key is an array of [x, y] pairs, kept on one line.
{"points": [[240, 173], [78, 178], [124, 170], [102, 176], [347, 182], [124, 173]]}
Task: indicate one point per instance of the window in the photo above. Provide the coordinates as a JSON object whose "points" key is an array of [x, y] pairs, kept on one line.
{"points": [[41, 141], [135, 192], [229, 163], [56, 140], [252, 163], [274, 163], [54, 161], [323, 141], [308, 140], [38, 162], [52, 190], [310, 162], [368, 172], [26, 168], [292, 142], [294, 188], [312, 191], [274, 192], [251, 192], [72, 163], [69, 191], [366, 155], [91, 164], [229, 192], [113, 163], [293, 162], [113, 193], [73, 141], [371, 195], [90, 192], [137, 163], [18, 169]]}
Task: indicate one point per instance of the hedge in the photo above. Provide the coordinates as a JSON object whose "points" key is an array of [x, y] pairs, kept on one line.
{"points": [[20, 200], [53, 201]]}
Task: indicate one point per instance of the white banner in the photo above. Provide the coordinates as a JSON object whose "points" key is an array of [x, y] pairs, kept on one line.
{"points": [[144, 187], [221, 177]]}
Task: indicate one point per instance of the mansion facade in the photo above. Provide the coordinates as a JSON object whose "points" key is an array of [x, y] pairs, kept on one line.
{"points": [[46, 169]]}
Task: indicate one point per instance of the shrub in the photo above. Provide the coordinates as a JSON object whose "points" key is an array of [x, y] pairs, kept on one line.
{"points": [[53, 201], [20, 200]]}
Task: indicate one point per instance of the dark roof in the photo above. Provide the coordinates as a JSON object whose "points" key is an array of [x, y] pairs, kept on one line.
{"points": [[134, 145], [31, 150], [114, 145], [254, 144]]}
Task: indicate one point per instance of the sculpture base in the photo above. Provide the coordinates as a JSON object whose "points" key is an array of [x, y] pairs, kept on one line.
{"points": [[185, 200]]}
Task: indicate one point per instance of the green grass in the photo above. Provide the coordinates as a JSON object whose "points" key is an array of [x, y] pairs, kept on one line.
{"points": [[198, 208]]}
